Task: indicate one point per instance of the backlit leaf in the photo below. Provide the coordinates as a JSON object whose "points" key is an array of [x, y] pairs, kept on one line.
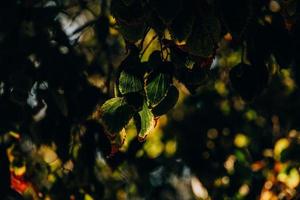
{"points": [[157, 87], [167, 103], [116, 114], [144, 122], [129, 83]]}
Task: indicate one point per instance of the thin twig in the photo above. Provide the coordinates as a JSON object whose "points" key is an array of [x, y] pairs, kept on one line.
{"points": [[143, 40], [148, 45], [161, 49]]}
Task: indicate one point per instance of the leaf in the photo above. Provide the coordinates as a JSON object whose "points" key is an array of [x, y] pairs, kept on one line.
{"points": [[182, 25], [156, 64], [205, 35], [144, 122], [192, 78], [155, 59], [118, 141], [157, 87], [167, 103], [200, 42], [181, 59], [132, 32], [135, 99], [132, 61], [167, 10], [131, 73], [129, 13], [116, 113], [235, 22], [129, 83], [156, 23], [119, 10], [249, 81]]}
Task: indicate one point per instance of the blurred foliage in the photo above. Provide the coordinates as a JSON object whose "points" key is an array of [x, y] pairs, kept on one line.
{"points": [[149, 99]]}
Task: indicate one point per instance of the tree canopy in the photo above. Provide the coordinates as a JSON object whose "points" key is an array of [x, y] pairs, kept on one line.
{"points": [[149, 99]]}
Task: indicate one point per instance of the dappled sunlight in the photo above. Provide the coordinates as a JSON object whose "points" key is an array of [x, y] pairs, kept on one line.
{"points": [[149, 99]]}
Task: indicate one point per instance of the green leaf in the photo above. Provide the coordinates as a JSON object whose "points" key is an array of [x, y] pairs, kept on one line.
{"points": [[157, 87], [130, 78], [144, 122], [167, 103], [116, 113], [129, 83]]}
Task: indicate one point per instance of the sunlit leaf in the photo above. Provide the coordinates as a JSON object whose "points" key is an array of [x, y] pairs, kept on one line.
{"points": [[129, 83], [157, 86], [116, 114], [118, 141], [144, 122]]}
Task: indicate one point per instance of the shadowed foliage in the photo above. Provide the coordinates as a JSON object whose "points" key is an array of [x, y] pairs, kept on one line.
{"points": [[149, 99]]}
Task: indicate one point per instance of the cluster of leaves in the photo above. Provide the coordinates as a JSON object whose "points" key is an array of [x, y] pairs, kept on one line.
{"points": [[144, 92], [150, 84], [189, 33], [50, 97]]}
